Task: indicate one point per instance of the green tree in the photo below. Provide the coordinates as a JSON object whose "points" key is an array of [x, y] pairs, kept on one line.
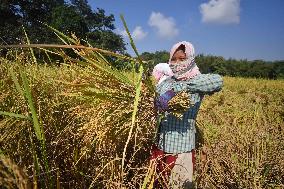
{"points": [[68, 16], [66, 19], [154, 58], [99, 27], [17, 13], [10, 19], [34, 13]]}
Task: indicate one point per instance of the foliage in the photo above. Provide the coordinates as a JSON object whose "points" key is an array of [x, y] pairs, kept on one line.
{"points": [[241, 68], [155, 58], [105, 91], [74, 16], [229, 67], [60, 99], [66, 18]]}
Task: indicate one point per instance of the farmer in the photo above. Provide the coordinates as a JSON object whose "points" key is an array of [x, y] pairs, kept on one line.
{"points": [[174, 150]]}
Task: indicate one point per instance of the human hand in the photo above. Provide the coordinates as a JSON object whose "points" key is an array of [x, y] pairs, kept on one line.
{"points": [[161, 103], [179, 104]]}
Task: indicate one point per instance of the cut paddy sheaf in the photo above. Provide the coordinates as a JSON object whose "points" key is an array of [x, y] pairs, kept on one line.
{"points": [[102, 122], [85, 124]]}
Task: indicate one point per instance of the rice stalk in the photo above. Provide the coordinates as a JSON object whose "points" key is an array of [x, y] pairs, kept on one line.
{"points": [[147, 80], [28, 96], [34, 117], [67, 46], [136, 102], [11, 175], [16, 82], [31, 49]]}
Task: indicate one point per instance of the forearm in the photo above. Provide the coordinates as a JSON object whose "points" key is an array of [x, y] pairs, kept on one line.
{"points": [[203, 83]]}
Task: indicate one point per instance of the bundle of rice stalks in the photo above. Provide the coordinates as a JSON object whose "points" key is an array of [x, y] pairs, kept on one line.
{"points": [[12, 176], [96, 123], [179, 104]]}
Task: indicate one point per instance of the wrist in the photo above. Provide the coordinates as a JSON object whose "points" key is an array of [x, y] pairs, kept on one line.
{"points": [[169, 94]]}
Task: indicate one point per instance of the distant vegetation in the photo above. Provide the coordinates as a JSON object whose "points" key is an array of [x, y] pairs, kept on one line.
{"points": [[74, 16], [226, 67]]}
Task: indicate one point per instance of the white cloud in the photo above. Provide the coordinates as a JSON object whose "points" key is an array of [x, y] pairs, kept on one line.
{"points": [[166, 26], [221, 11], [138, 33]]}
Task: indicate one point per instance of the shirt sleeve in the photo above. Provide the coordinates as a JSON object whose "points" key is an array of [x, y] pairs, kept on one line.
{"points": [[165, 86], [203, 83]]}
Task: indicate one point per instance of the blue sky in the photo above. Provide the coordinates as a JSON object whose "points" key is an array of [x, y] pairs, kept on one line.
{"points": [[241, 29]]}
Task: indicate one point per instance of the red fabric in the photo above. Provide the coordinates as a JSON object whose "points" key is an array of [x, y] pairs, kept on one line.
{"points": [[164, 164]]}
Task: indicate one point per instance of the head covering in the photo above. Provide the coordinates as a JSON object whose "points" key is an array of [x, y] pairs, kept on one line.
{"points": [[186, 69], [161, 71]]}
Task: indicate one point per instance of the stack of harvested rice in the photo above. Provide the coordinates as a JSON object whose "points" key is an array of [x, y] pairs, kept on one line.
{"points": [[179, 104]]}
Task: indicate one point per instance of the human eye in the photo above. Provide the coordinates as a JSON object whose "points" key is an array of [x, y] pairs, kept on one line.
{"points": [[180, 59], [173, 60]]}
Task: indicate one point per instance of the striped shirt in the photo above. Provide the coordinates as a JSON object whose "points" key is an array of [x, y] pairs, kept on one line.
{"points": [[178, 135]]}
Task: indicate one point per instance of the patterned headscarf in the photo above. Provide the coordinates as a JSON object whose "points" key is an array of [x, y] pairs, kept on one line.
{"points": [[186, 69]]}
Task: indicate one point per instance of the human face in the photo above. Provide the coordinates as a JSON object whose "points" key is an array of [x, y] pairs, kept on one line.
{"points": [[178, 56]]}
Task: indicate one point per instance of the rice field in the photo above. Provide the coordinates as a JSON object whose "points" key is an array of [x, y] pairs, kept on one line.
{"points": [[84, 124], [242, 129], [73, 127]]}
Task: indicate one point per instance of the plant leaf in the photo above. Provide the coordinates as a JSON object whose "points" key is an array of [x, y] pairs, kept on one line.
{"points": [[19, 116]]}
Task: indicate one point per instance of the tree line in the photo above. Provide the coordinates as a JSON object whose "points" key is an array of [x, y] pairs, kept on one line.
{"points": [[72, 16], [225, 67]]}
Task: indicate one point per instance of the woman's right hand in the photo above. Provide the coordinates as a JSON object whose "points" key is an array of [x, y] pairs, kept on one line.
{"points": [[162, 102]]}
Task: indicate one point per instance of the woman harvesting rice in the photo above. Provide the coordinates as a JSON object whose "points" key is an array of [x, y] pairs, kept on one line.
{"points": [[175, 144]]}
